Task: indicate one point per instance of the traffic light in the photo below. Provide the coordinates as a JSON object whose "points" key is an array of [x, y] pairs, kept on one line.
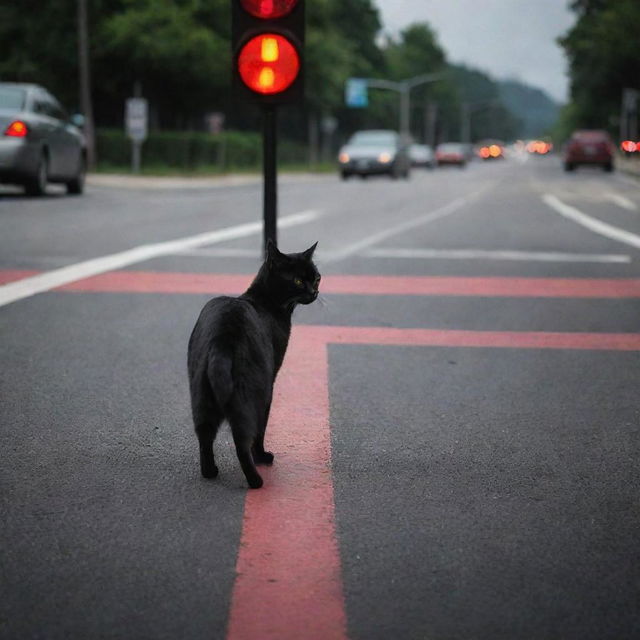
{"points": [[267, 37]]}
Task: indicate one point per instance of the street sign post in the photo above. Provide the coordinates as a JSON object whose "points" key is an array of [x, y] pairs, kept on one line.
{"points": [[136, 124]]}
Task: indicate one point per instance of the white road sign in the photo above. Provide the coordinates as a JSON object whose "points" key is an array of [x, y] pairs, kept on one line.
{"points": [[136, 118]]}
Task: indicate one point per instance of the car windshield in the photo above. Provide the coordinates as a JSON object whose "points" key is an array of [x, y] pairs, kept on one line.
{"points": [[373, 138], [450, 148], [11, 99], [590, 136]]}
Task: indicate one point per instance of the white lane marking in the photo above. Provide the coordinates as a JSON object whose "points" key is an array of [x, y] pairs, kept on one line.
{"points": [[441, 212], [480, 254], [220, 252], [593, 224], [621, 201], [51, 279]]}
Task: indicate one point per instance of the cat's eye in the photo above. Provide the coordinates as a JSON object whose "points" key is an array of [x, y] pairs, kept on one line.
{"points": [[298, 282]]}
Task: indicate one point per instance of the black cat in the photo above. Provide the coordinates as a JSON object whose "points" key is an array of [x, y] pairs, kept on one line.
{"points": [[235, 352]]}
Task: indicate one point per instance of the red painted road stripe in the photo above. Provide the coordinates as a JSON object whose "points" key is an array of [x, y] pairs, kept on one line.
{"points": [[457, 338], [288, 584], [203, 283], [11, 275]]}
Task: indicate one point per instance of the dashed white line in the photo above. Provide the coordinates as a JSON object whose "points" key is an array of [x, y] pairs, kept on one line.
{"points": [[480, 254], [220, 252], [58, 277], [593, 224], [621, 201]]}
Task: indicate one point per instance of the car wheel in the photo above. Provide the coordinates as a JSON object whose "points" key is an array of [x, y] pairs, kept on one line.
{"points": [[608, 167], [76, 186], [569, 166], [36, 185]]}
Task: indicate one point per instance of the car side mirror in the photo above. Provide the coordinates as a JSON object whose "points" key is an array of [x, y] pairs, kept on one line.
{"points": [[78, 120]]}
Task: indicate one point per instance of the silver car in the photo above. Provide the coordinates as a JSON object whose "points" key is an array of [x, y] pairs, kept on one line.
{"points": [[374, 152], [39, 143]]}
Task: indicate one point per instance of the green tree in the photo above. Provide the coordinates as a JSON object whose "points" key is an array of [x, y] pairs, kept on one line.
{"points": [[602, 50]]}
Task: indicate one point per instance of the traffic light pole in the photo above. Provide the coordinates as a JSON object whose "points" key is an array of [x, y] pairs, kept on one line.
{"points": [[269, 169]]}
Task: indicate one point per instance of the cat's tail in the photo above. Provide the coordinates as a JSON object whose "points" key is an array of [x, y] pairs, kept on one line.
{"points": [[219, 373]]}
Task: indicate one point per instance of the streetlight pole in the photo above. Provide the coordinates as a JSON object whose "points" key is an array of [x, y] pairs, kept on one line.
{"points": [[84, 78], [404, 89]]}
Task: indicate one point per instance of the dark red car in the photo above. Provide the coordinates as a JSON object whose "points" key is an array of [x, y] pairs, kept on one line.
{"points": [[451, 153], [589, 146]]}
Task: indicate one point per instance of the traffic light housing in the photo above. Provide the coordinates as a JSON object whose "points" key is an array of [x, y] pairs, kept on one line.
{"points": [[267, 39]]}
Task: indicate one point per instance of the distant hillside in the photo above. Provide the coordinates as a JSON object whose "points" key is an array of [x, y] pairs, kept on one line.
{"points": [[536, 111]]}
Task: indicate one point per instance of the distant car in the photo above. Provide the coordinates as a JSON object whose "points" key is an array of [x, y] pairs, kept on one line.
{"points": [[39, 143], [589, 146], [374, 152], [451, 153], [490, 150], [421, 155]]}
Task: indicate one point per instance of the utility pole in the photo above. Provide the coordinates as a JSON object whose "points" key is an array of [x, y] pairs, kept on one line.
{"points": [[465, 124], [85, 81], [629, 115], [467, 110]]}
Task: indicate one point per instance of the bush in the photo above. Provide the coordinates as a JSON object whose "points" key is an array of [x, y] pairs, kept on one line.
{"points": [[187, 151]]}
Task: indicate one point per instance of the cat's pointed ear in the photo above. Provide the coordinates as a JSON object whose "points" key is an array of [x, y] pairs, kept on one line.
{"points": [[308, 254], [274, 255]]}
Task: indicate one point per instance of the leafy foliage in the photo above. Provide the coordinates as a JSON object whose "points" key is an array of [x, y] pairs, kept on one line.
{"points": [[602, 49], [178, 52]]}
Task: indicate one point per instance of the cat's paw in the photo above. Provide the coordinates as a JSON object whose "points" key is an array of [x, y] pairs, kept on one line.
{"points": [[255, 482], [265, 457], [209, 471]]}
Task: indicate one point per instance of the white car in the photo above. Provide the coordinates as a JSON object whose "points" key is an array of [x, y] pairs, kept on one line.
{"points": [[421, 155]]}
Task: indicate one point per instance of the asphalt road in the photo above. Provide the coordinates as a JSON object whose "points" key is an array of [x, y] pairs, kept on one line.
{"points": [[456, 431]]}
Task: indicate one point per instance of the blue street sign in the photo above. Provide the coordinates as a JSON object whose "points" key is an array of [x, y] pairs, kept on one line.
{"points": [[355, 94]]}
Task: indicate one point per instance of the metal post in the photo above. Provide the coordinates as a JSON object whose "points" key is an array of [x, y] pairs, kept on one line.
{"points": [[135, 155], [432, 115], [405, 110], [269, 168], [623, 116], [465, 134], [85, 82]]}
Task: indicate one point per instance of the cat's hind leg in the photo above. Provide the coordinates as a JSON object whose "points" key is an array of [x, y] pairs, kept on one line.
{"points": [[244, 427], [206, 432], [206, 418]]}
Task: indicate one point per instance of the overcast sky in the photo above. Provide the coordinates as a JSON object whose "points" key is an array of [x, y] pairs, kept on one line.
{"points": [[506, 38]]}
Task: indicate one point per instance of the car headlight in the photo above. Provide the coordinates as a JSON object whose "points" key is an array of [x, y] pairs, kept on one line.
{"points": [[384, 157], [344, 157]]}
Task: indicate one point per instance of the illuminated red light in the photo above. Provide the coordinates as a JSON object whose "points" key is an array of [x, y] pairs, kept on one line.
{"points": [[484, 152], [17, 129], [268, 63], [268, 8], [629, 145]]}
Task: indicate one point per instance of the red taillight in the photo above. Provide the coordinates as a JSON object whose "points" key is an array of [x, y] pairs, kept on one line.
{"points": [[17, 129], [268, 63], [268, 9]]}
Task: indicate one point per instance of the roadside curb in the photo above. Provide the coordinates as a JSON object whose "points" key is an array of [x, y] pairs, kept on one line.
{"points": [[125, 181]]}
